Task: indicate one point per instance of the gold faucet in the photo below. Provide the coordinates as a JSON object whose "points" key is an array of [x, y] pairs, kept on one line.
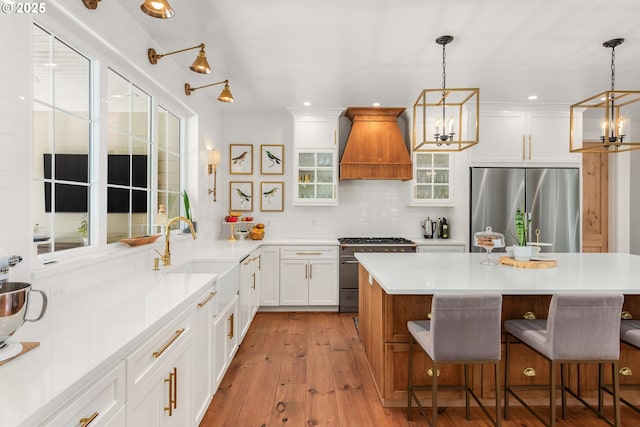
{"points": [[166, 258]]}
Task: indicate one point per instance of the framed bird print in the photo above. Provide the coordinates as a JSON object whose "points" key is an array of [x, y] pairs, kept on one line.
{"points": [[271, 196], [272, 159], [241, 159], [241, 196]]}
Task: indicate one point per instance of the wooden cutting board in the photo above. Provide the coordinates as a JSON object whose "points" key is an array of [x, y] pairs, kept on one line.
{"points": [[505, 260]]}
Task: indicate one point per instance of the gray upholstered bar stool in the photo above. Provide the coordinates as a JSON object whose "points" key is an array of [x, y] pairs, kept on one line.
{"points": [[630, 334], [464, 329], [580, 328]]}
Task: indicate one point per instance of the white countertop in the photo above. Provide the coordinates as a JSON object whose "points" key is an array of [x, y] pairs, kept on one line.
{"points": [[86, 329], [429, 273]]}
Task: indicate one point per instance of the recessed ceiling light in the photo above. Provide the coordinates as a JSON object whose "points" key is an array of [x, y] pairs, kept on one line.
{"points": [[532, 97], [307, 104], [376, 104]]}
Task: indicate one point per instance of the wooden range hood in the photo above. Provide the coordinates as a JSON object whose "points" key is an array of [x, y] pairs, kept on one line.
{"points": [[375, 147]]}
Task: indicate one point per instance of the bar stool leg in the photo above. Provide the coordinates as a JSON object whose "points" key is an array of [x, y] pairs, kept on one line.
{"points": [[506, 376], [497, 371], [409, 381], [563, 392], [552, 394], [616, 394], [600, 394], [466, 391], [434, 395]]}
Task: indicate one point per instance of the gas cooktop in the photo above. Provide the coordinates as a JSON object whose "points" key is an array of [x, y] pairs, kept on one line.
{"points": [[374, 241]]}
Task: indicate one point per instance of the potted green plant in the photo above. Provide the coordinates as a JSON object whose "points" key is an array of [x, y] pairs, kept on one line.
{"points": [[521, 251], [187, 212], [83, 229]]}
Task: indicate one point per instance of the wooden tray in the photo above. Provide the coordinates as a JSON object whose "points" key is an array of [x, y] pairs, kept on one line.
{"points": [[505, 260], [142, 240]]}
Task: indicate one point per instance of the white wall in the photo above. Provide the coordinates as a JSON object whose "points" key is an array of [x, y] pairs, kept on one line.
{"points": [[366, 208], [110, 34], [634, 189], [15, 140]]}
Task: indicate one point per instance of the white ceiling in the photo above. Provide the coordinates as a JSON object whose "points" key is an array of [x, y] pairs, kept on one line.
{"points": [[341, 53]]}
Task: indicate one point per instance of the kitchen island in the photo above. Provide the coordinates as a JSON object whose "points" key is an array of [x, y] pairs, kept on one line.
{"points": [[395, 288]]}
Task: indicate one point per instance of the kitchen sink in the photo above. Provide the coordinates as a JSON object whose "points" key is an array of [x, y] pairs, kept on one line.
{"points": [[228, 281], [204, 266]]}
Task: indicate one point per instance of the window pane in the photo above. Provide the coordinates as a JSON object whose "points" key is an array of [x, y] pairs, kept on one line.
{"points": [[42, 66], [71, 80], [440, 191], [119, 103], [424, 192], [61, 144], [173, 177], [173, 134], [423, 160], [141, 112], [42, 138], [424, 176], [441, 160]]}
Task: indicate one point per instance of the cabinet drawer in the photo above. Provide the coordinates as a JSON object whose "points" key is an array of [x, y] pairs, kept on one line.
{"points": [[154, 351], [309, 252], [101, 401]]}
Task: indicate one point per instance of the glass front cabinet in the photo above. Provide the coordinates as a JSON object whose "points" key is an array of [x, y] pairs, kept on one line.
{"points": [[431, 185], [316, 175]]}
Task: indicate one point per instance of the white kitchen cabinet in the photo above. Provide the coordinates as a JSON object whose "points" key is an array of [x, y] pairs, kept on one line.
{"points": [[316, 177], [523, 137], [161, 397], [202, 354], [309, 276], [101, 404], [270, 276], [315, 128], [249, 294], [225, 340], [315, 142], [432, 175]]}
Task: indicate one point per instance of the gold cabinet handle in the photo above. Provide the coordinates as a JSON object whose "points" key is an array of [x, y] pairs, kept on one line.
{"points": [[166, 345], [529, 147], [172, 391], [523, 147], [175, 387], [625, 371], [529, 315], [309, 253], [335, 137], [529, 372], [207, 299], [254, 281], [310, 271], [626, 315], [84, 422], [430, 372], [230, 334]]}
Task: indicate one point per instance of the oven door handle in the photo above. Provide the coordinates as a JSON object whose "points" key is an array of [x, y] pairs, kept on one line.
{"points": [[350, 262]]}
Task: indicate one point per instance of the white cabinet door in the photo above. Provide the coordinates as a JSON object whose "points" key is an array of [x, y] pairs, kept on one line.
{"points": [[323, 282], [270, 276], [548, 137], [163, 399], [101, 404], [317, 132], [202, 355], [502, 137], [294, 288], [316, 177], [248, 299], [224, 340]]}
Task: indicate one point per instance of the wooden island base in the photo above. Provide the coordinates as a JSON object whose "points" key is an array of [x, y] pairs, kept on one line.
{"points": [[385, 339]]}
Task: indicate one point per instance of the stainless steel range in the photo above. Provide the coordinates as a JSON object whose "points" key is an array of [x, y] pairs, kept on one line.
{"points": [[348, 272]]}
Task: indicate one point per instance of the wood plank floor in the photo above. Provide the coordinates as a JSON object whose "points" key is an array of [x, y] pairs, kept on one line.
{"points": [[309, 369]]}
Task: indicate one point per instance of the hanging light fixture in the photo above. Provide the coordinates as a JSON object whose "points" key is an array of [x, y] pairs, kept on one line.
{"points": [[607, 113], [157, 8], [225, 95], [446, 119], [200, 65]]}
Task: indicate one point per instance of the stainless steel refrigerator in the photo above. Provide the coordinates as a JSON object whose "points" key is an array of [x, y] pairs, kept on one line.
{"points": [[550, 195]]}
